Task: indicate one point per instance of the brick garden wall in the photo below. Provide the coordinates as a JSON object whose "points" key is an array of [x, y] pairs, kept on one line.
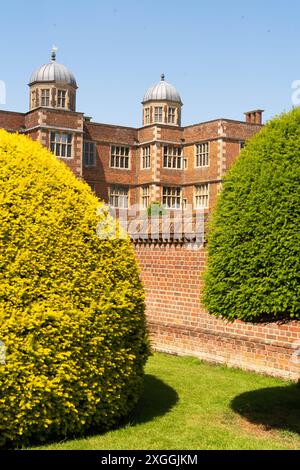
{"points": [[178, 324]]}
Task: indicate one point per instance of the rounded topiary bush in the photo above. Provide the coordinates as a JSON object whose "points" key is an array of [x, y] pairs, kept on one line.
{"points": [[71, 304], [254, 241]]}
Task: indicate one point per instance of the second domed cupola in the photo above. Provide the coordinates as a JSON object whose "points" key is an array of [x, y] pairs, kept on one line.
{"points": [[162, 104], [162, 91], [53, 86]]}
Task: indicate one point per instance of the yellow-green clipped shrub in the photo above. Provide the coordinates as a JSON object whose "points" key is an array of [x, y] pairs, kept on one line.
{"points": [[71, 304]]}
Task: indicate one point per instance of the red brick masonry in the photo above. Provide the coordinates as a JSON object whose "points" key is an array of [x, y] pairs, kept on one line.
{"points": [[171, 274]]}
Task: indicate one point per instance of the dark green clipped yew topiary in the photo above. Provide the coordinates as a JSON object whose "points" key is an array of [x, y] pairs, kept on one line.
{"points": [[72, 325], [254, 238]]}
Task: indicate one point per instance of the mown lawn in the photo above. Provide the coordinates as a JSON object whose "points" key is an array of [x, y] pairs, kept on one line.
{"points": [[188, 404]]}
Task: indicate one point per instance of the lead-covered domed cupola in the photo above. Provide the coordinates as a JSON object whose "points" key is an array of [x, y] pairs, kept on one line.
{"points": [[53, 86], [162, 104], [162, 91]]}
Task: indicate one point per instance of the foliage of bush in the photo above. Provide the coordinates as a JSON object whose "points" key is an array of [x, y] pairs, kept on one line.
{"points": [[254, 239], [155, 209], [71, 305]]}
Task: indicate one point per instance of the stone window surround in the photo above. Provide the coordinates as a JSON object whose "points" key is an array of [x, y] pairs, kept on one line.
{"points": [[45, 97], [150, 108], [147, 115], [171, 115], [172, 197], [127, 156], [146, 157], [173, 157], [202, 154], [201, 196], [61, 98], [60, 143], [36, 96], [116, 194], [145, 197], [84, 151]]}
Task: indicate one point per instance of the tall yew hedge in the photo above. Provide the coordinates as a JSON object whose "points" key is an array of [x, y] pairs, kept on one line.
{"points": [[254, 237], [71, 304]]}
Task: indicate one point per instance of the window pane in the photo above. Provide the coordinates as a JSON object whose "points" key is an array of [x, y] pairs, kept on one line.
{"points": [[119, 157], [118, 197], [61, 144], [202, 154], [172, 157]]}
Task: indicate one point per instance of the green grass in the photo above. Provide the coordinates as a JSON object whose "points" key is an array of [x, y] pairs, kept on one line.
{"points": [[188, 404]]}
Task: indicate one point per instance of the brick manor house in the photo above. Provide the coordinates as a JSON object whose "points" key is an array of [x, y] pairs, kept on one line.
{"points": [[158, 162], [175, 166]]}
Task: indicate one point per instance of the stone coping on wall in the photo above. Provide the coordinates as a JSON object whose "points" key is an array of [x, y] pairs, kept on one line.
{"points": [[174, 228]]}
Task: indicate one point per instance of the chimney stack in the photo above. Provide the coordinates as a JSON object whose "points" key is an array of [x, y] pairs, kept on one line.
{"points": [[254, 117]]}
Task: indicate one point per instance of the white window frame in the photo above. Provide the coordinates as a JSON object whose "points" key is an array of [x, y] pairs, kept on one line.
{"points": [[147, 115], [158, 114], [89, 154], [61, 144], [61, 99], [119, 154], [172, 197], [33, 99], [171, 115], [145, 197], [201, 196], [118, 196], [172, 157], [146, 157], [45, 97], [202, 155]]}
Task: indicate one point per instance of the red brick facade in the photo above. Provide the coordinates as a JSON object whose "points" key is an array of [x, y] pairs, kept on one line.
{"points": [[171, 272], [180, 325], [223, 136]]}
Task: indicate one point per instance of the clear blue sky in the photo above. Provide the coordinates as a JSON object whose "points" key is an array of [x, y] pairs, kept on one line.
{"points": [[224, 57]]}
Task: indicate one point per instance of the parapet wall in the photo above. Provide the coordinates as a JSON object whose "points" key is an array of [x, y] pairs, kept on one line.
{"points": [[178, 324]]}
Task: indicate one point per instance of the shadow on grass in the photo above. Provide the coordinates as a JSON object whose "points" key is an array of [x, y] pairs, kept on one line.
{"points": [[158, 399], [275, 408]]}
